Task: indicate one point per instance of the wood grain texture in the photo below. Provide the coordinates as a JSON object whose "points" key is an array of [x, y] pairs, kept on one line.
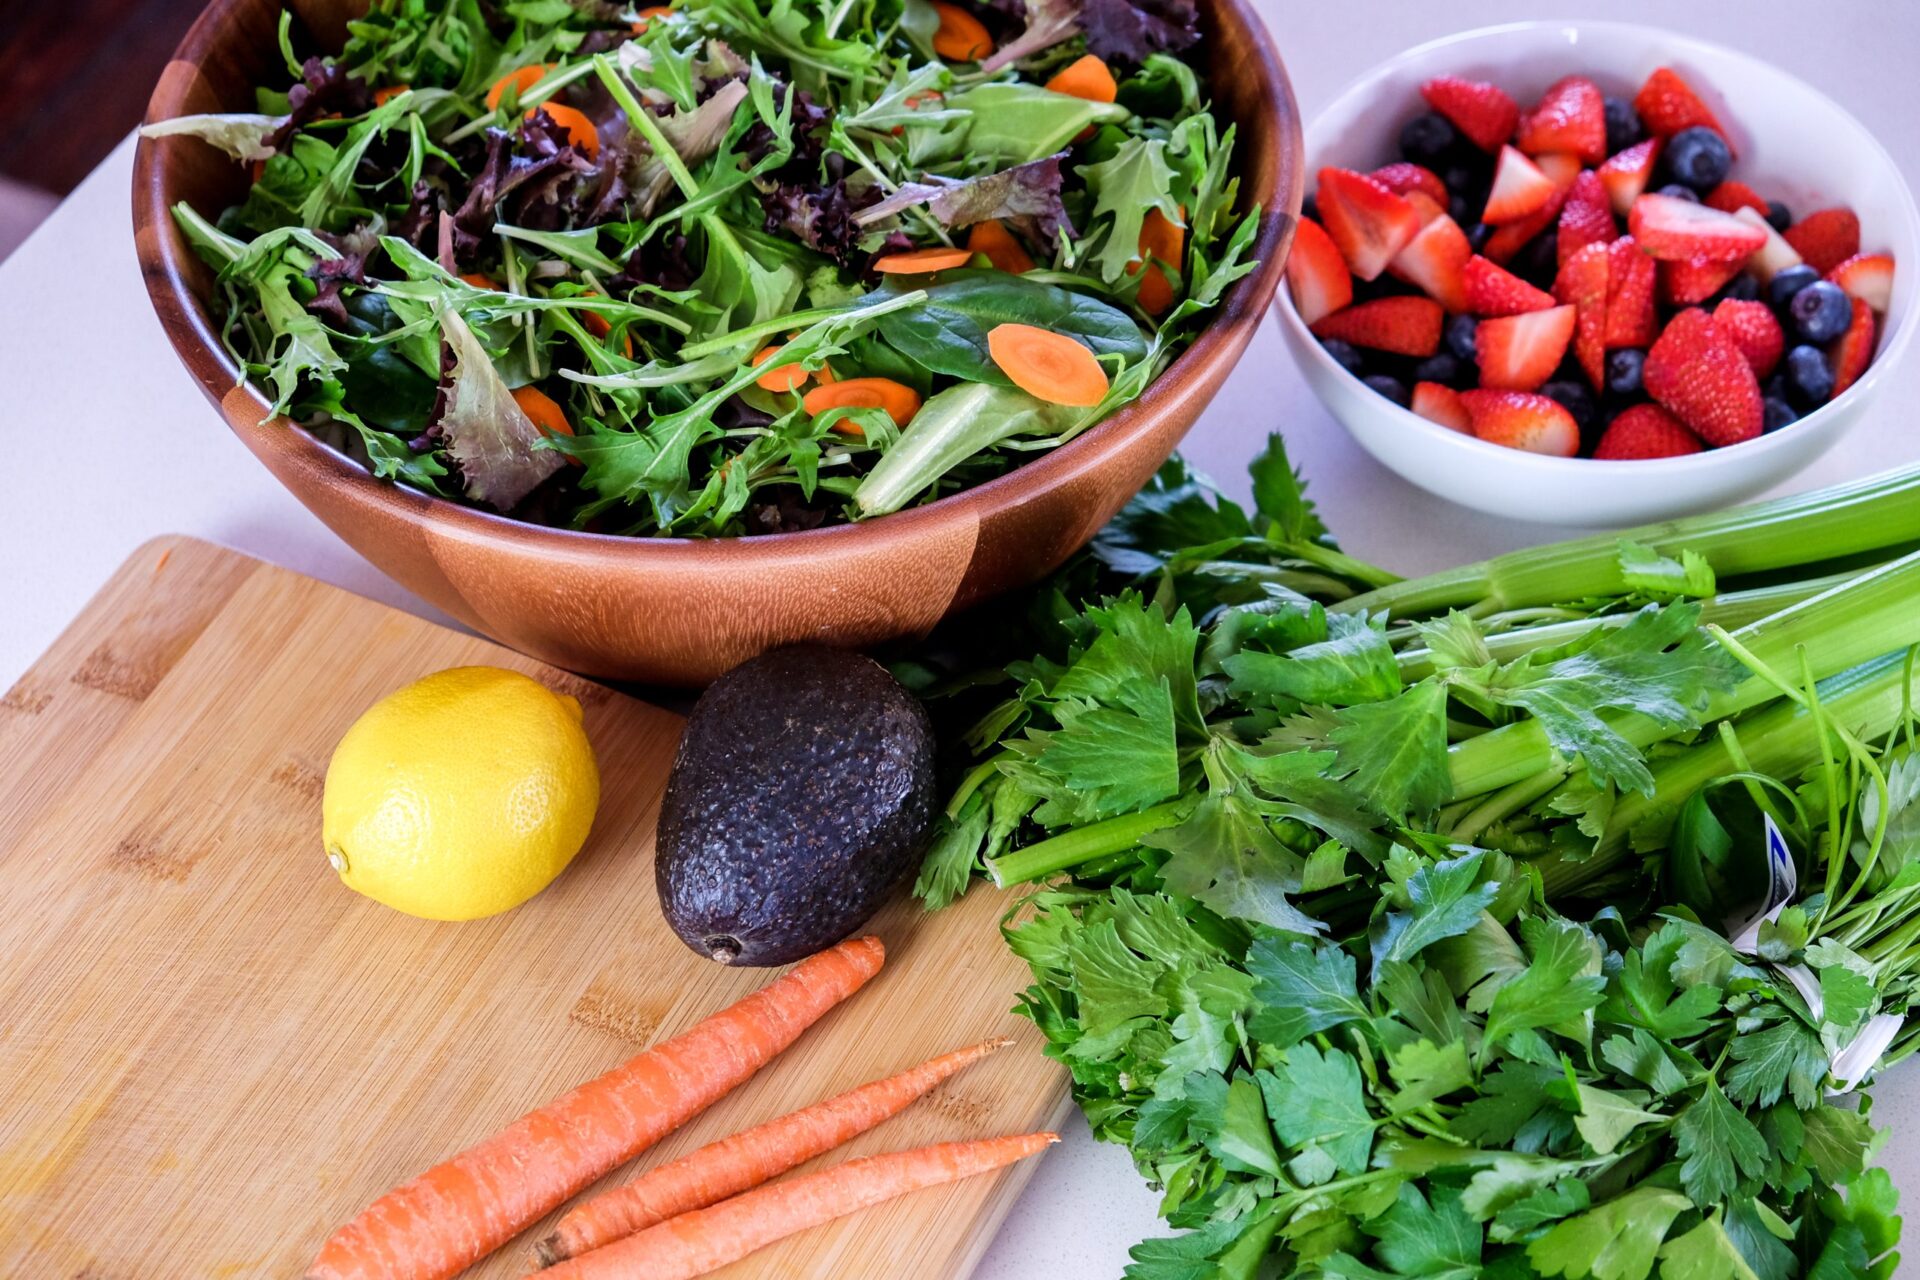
{"points": [[678, 611], [214, 1053]]}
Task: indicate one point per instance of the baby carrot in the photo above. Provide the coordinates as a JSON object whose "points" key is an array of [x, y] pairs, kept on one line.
{"points": [[746, 1160], [914, 262], [1088, 78], [1003, 251], [899, 400], [457, 1213], [707, 1239], [1047, 365], [961, 37]]}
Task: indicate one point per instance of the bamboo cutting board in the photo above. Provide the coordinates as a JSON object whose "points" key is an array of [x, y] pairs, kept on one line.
{"points": [[211, 1053]]}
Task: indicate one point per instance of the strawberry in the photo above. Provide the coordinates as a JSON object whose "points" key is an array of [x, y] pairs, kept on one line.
{"points": [[1434, 260], [1317, 275], [1506, 241], [1437, 402], [1494, 291], [1753, 329], [1583, 283], [1367, 221], [1696, 372], [1645, 431], [1868, 277], [1519, 188], [1480, 110], [1570, 116], [1586, 218], [1667, 104], [1695, 280], [1405, 325], [1773, 257], [1518, 353], [1562, 167], [1670, 228], [1425, 205], [1852, 351], [1825, 239], [1732, 196], [1402, 177], [1626, 174], [1631, 320], [1520, 420]]}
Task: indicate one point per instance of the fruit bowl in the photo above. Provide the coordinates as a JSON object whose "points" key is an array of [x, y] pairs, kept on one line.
{"points": [[1792, 142]]}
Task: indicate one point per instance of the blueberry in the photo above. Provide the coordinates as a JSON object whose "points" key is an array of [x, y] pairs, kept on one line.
{"points": [[1392, 388], [1573, 397], [1539, 261], [1698, 156], [1443, 367], [1787, 282], [1625, 368], [1461, 331], [1779, 217], [1345, 354], [1679, 192], [1742, 288], [1460, 210], [1427, 138], [1478, 235], [1809, 378], [1778, 413], [1623, 125], [1776, 386], [1821, 311]]}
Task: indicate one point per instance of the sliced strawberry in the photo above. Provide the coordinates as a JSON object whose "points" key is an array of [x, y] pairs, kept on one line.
{"points": [[1519, 420], [1631, 319], [1583, 283], [1562, 167], [1670, 228], [1700, 376], [1773, 257], [1667, 104], [1367, 221], [1732, 196], [1317, 275], [1852, 351], [1402, 177], [1480, 110], [1825, 239], [1868, 277], [1435, 260], [1570, 116], [1518, 353], [1519, 189], [1646, 431], [1494, 291], [1437, 402], [1753, 329], [1586, 218], [1626, 174], [1405, 325], [1681, 284], [1509, 240], [1425, 205]]}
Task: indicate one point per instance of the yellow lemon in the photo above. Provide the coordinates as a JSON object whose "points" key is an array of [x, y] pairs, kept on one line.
{"points": [[461, 795]]}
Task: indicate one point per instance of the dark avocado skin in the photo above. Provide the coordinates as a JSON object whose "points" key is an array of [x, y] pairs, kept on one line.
{"points": [[801, 795]]}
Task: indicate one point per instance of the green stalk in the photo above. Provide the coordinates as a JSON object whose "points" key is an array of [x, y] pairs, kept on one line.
{"points": [[1083, 844], [1806, 528]]}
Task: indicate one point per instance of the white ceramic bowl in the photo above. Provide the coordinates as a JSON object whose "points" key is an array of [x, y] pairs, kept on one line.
{"points": [[1793, 143]]}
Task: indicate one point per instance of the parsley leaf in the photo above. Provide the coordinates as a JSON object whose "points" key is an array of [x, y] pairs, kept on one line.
{"points": [[1719, 1146], [1560, 985], [1448, 898], [1395, 752], [1779, 1058], [1315, 1099], [1617, 1240], [1300, 989]]}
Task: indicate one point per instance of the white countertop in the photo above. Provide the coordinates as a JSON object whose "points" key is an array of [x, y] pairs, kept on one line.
{"points": [[111, 444]]}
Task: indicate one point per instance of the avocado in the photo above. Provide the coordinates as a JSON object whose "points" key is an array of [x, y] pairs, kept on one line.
{"points": [[802, 793]]}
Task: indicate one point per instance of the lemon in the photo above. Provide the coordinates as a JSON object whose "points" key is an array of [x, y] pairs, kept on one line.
{"points": [[461, 795]]}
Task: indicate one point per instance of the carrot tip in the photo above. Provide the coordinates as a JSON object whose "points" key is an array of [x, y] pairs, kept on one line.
{"points": [[550, 1251]]}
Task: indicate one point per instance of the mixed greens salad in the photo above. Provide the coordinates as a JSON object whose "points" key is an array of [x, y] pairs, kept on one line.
{"points": [[493, 238]]}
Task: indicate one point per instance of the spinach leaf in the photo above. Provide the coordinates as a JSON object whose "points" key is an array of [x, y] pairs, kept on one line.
{"points": [[948, 333]]}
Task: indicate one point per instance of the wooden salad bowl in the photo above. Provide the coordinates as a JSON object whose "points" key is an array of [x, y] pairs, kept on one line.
{"points": [[676, 610]]}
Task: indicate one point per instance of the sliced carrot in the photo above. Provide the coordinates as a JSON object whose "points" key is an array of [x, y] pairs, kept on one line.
{"points": [[1164, 240], [457, 1213], [1047, 365], [784, 377], [915, 262], [705, 1240], [1087, 78], [736, 1164], [1003, 251], [647, 15], [599, 326], [519, 80], [580, 130], [382, 96], [479, 281], [961, 37], [543, 409], [899, 400], [914, 100]]}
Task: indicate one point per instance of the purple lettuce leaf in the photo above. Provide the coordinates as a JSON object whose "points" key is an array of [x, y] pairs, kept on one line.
{"points": [[1026, 197]]}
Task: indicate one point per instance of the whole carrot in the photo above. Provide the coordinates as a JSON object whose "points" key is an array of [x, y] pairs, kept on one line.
{"points": [[457, 1213], [707, 1239], [747, 1159]]}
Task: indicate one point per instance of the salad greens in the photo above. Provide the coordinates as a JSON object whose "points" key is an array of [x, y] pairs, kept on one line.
{"points": [[486, 240], [1535, 918]]}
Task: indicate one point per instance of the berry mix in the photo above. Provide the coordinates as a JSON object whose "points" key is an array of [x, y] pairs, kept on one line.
{"points": [[1586, 278]]}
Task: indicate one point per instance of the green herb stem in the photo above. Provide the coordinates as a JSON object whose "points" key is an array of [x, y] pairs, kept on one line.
{"points": [[646, 126], [1083, 844]]}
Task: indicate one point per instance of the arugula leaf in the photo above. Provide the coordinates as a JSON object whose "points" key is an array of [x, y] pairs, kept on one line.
{"points": [[1136, 179]]}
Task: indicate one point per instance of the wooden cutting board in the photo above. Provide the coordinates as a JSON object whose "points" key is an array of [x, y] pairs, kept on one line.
{"points": [[211, 1053]]}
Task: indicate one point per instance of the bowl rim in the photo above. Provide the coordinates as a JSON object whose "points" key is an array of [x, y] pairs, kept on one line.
{"points": [[1892, 343], [1217, 348]]}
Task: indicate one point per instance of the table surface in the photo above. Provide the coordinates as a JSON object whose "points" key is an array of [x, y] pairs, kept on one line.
{"points": [[113, 444]]}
